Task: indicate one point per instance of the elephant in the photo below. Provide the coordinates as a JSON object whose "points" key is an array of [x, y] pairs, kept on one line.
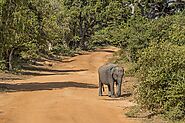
{"points": [[109, 74]]}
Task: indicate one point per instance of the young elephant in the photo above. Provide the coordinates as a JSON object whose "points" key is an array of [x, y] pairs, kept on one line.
{"points": [[108, 74]]}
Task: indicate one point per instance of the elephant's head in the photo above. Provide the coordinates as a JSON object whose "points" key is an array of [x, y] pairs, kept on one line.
{"points": [[117, 74]]}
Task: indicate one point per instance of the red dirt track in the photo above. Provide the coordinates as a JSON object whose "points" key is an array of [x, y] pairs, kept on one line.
{"points": [[66, 94]]}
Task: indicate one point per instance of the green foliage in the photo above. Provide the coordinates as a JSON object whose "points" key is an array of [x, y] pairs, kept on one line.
{"points": [[134, 110], [2, 65], [132, 35], [63, 50], [28, 28], [161, 69], [88, 17], [138, 32]]}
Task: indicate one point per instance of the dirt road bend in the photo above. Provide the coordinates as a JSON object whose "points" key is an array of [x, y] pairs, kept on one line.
{"points": [[67, 93]]}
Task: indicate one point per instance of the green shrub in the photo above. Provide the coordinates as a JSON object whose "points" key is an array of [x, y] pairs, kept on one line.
{"points": [[63, 50], [133, 112], [2, 65], [161, 71], [138, 32]]}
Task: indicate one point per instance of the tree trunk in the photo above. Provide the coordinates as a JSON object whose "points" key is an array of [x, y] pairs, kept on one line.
{"points": [[132, 8], [10, 68], [49, 46]]}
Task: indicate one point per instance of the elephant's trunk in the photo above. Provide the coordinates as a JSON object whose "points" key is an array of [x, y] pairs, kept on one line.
{"points": [[118, 88]]}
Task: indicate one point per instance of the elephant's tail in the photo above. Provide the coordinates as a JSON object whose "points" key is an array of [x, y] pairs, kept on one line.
{"points": [[103, 88]]}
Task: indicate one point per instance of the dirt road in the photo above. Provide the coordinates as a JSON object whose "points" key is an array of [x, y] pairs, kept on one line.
{"points": [[67, 93]]}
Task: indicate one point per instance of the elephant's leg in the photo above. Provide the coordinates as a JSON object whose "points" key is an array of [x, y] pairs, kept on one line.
{"points": [[100, 88], [109, 90], [117, 90], [112, 89]]}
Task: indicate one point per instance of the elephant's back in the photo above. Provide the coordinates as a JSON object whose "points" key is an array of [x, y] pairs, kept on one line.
{"points": [[104, 71], [106, 67]]}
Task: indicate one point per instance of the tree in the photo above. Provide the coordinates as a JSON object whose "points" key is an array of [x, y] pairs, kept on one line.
{"points": [[27, 28]]}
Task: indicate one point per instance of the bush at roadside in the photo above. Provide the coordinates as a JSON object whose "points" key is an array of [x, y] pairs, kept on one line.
{"points": [[161, 71]]}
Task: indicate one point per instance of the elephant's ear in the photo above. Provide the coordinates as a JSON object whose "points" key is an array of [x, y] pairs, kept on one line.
{"points": [[114, 73]]}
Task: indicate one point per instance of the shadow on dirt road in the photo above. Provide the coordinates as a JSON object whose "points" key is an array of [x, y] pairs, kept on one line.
{"points": [[44, 86], [39, 71], [50, 70]]}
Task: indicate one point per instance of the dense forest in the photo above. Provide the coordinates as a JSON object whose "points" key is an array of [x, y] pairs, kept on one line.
{"points": [[151, 34]]}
